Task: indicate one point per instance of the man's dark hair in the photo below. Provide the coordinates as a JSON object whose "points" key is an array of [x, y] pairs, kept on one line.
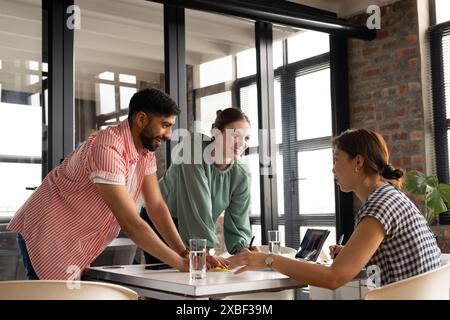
{"points": [[152, 101]]}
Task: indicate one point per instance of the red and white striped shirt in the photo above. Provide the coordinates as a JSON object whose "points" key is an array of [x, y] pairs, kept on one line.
{"points": [[65, 222]]}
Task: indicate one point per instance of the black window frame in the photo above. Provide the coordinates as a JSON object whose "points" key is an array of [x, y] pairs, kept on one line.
{"points": [[440, 121]]}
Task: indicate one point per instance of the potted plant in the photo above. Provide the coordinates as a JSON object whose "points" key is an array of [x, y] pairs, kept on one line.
{"points": [[435, 195]]}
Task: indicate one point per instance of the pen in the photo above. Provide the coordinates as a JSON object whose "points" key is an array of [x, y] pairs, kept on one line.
{"points": [[251, 242], [341, 239]]}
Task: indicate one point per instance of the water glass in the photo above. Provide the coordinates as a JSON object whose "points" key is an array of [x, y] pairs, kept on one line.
{"points": [[197, 258], [274, 241]]}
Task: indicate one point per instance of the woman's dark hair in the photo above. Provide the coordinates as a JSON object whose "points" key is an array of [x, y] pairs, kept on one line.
{"points": [[372, 147], [228, 116], [152, 101]]}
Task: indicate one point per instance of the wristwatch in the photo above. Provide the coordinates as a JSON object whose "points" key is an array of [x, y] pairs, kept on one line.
{"points": [[211, 251], [269, 260]]}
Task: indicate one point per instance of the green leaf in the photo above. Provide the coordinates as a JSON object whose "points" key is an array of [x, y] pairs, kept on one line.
{"points": [[434, 202], [444, 191], [432, 181], [415, 182]]}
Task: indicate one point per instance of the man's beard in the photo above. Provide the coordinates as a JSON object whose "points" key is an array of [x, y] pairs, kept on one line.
{"points": [[148, 142]]}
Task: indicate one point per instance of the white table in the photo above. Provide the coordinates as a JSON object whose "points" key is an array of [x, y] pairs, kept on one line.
{"points": [[172, 284]]}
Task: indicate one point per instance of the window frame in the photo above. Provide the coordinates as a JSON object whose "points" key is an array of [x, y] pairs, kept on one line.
{"points": [[440, 121]]}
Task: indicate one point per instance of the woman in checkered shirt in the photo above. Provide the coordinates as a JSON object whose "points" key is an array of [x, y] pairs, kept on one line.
{"points": [[391, 237]]}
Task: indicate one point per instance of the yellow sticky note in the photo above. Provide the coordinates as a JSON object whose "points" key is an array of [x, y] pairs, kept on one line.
{"points": [[218, 269]]}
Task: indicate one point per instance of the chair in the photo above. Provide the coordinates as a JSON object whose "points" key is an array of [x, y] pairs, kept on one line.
{"points": [[431, 285], [63, 290]]}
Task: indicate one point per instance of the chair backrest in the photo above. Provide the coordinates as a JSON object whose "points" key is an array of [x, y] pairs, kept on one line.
{"points": [[63, 290], [431, 285]]}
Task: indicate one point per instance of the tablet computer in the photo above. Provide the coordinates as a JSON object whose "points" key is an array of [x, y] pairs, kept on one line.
{"points": [[312, 243]]}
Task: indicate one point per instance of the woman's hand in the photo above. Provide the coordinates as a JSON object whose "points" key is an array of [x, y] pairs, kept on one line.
{"points": [[250, 260], [216, 262], [334, 250]]}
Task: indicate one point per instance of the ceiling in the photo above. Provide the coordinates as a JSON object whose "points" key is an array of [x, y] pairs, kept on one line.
{"points": [[127, 36]]}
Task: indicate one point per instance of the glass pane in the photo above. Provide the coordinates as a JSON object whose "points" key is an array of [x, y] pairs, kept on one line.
{"points": [[125, 96], [213, 42], [442, 10], [208, 108], [106, 76], [107, 98], [15, 177], [117, 44], [256, 231], [280, 186], [282, 235], [307, 44], [21, 127], [331, 240], [252, 160], [277, 52], [127, 78], [249, 105], [24, 139], [246, 63], [316, 182], [216, 71], [277, 98], [313, 105]]}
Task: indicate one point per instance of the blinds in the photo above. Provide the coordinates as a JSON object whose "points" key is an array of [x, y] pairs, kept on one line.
{"points": [[440, 68]]}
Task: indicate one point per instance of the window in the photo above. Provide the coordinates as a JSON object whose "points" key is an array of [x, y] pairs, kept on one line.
{"points": [[303, 129], [21, 112], [209, 105], [442, 10], [440, 66], [246, 63], [216, 71], [226, 58], [118, 51], [307, 44]]}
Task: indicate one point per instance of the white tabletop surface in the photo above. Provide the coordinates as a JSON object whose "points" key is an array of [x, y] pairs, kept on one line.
{"points": [[173, 281]]}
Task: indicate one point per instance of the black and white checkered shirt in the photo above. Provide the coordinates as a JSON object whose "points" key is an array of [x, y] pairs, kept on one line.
{"points": [[409, 247]]}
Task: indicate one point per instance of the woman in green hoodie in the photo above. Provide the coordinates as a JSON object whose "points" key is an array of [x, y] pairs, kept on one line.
{"points": [[207, 178]]}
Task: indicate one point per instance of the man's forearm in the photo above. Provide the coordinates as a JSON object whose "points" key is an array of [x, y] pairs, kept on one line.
{"points": [[148, 240], [162, 220]]}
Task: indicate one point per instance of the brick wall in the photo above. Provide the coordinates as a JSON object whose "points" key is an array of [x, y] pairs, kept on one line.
{"points": [[385, 91], [385, 84]]}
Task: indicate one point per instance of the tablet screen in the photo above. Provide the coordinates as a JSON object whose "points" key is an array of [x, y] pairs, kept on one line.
{"points": [[312, 244]]}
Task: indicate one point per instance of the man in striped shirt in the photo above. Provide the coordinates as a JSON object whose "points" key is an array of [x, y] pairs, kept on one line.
{"points": [[83, 203]]}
